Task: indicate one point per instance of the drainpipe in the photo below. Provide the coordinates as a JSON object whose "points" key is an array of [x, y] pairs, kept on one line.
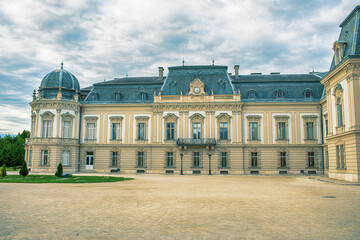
{"points": [[79, 140], [322, 140]]}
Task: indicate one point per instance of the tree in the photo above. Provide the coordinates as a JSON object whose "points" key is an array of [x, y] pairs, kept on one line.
{"points": [[3, 171], [12, 152], [59, 171], [23, 170]]}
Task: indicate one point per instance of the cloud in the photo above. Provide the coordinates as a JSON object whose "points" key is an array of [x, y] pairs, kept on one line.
{"points": [[107, 39]]}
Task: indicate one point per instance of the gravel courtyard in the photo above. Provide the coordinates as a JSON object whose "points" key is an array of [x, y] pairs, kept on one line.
{"points": [[182, 207]]}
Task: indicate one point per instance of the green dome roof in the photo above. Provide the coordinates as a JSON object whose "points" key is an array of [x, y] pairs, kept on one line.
{"points": [[60, 78]]}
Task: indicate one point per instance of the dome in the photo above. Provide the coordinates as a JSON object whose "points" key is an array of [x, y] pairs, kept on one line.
{"points": [[59, 78]]}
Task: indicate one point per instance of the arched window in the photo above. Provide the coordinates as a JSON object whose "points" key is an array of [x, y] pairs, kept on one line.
{"points": [[279, 94], [95, 96], [143, 95], [117, 96], [252, 94], [339, 112], [307, 93]]}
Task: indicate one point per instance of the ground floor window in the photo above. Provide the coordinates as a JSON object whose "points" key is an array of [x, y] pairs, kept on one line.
{"points": [[169, 159], [44, 157], [196, 159], [282, 159], [340, 159], [254, 159], [141, 159], [65, 158], [311, 159], [30, 155], [327, 159], [223, 159], [114, 158]]}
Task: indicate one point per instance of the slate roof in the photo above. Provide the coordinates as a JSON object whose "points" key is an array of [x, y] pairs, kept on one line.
{"points": [[264, 87], [350, 34], [214, 77], [124, 90]]}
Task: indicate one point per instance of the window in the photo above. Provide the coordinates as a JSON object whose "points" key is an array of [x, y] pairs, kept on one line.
{"points": [[224, 131], [281, 131], [326, 127], [91, 131], [309, 131], [116, 131], [254, 159], [143, 96], [30, 155], [141, 131], [327, 159], [65, 158], [279, 94], [141, 159], [311, 159], [170, 131], [282, 159], [196, 159], [254, 131], [252, 94], [196, 130], [223, 159], [66, 129], [308, 94], [339, 112], [114, 158], [46, 128], [169, 159], [340, 160], [44, 157]]}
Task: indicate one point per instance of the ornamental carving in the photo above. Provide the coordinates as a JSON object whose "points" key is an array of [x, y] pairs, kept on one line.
{"points": [[47, 115], [67, 115], [196, 87], [223, 117], [197, 117], [142, 118], [170, 117], [116, 118]]}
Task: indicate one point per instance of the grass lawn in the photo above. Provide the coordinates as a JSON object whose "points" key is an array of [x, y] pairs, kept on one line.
{"points": [[54, 179]]}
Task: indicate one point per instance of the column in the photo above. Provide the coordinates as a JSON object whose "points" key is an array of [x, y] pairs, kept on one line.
{"points": [[186, 120], [240, 127], [207, 123], [76, 125], [212, 127], [181, 124], [58, 111], [234, 127], [330, 113]]}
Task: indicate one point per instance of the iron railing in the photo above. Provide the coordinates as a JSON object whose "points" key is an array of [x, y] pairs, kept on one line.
{"points": [[196, 142]]}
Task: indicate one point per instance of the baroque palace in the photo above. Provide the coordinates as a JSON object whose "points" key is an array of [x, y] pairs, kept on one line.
{"points": [[204, 120]]}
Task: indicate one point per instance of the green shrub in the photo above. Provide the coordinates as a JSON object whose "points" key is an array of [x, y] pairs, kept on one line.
{"points": [[24, 170], [59, 171], [3, 171]]}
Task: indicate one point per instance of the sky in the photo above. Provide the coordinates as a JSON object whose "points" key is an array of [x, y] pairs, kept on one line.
{"points": [[102, 40]]}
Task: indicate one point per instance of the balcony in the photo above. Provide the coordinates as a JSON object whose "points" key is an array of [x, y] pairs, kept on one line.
{"points": [[196, 142]]}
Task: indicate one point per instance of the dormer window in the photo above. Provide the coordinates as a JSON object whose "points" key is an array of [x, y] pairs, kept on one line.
{"points": [[143, 95], [117, 96], [95, 96], [279, 94], [252, 94], [307, 93]]}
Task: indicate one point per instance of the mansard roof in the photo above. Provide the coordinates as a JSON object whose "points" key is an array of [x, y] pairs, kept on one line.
{"points": [[293, 87], [253, 88], [215, 79], [350, 35]]}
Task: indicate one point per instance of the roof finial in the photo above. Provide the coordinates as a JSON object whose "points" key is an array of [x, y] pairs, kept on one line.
{"points": [[127, 74], [213, 61], [183, 62], [62, 64]]}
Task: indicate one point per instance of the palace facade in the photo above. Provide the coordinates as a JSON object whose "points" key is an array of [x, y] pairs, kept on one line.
{"points": [[204, 120]]}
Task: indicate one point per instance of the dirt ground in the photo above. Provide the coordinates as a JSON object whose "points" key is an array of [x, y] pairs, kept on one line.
{"points": [[182, 207]]}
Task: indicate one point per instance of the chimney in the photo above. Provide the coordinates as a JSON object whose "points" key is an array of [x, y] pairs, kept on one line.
{"points": [[236, 67], [161, 73]]}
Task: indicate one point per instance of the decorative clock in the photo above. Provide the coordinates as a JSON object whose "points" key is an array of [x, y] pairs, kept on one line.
{"points": [[196, 89]]}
